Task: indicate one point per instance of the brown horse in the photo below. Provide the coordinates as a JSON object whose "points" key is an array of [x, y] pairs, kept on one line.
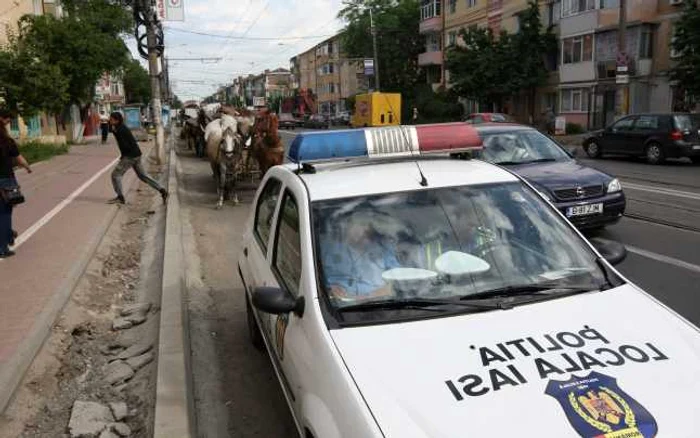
{"points": [[267, 147]]}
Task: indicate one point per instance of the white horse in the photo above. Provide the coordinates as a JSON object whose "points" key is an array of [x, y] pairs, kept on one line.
{"points": [[225, 151]]}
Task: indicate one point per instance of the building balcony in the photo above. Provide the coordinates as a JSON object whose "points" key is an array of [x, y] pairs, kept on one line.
{"points": [[636, 67], [579, 23], [430, 58], [578, 72], [433, 24]]}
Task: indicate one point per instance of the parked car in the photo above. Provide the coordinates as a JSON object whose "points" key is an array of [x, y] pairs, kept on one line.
{"points": [[341, 119], [316, 121], [287, 121], [653, 136], [478, 118], [588, 197]]}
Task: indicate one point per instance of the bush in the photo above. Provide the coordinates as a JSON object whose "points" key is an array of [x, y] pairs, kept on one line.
{"points": [[574, 128], [35, 151]]}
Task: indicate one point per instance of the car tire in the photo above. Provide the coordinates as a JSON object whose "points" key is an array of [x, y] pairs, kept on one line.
{"points": [[253, 329], [695, 160], [593, 149], [654, 153]]}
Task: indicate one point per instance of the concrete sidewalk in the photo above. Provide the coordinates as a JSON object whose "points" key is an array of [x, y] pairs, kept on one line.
{"points": [[60, 226]]}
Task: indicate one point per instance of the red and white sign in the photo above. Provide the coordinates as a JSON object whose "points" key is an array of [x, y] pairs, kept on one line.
{"points": [[170, 10]]}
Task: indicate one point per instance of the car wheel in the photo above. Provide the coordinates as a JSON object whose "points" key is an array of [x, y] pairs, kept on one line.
{"points": [[654, 153], [253, 328], [593, 149], [695, 160]]}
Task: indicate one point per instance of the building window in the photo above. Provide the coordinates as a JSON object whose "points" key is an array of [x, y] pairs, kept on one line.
{"points": [[471, 3], [429, 9], [574, 100], [646, 43], [453, 6], [432, 42], [574, 7], [452, 38], [115, 89], [578, 49]]}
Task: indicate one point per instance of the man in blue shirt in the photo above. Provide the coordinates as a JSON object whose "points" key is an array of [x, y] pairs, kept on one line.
{"points": [[353, 265]]}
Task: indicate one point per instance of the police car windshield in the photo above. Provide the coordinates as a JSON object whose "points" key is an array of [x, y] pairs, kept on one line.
{"points": [[445, 243], [520, 147]]}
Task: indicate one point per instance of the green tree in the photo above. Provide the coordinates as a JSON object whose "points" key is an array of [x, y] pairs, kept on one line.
{"points": [[83, 44], [488, 67], [398, 41], [481, 68], [29, 85], [177, 103], [686, 43], [531, 45], [137, 83]]}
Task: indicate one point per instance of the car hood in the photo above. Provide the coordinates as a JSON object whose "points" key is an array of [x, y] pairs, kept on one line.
{"points": [[560, 174], [585, 365]]}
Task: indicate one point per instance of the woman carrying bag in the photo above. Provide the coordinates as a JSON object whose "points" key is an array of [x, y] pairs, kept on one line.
{"points": [[9, 188]]}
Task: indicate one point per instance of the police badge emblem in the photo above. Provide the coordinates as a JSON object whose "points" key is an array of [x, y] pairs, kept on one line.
{"points": [[597, 408]]}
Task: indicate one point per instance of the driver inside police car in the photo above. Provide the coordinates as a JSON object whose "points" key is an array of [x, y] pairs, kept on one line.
{"points": [[354, 260]]}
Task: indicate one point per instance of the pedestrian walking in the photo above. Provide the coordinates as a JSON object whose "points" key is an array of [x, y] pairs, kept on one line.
{"points": [[104, 126], [414, 117], [130, 159], [9, 158]]}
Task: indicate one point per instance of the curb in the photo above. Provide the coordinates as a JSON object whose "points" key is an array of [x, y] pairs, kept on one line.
{"points": [[174, 407]]}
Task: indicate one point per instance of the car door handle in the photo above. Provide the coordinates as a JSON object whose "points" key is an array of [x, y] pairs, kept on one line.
{"points": [[245, 252]]}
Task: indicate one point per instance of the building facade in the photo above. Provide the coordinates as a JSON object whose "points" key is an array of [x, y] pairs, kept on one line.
{"points": [[583, 84], [329, 75], [259, 90]]}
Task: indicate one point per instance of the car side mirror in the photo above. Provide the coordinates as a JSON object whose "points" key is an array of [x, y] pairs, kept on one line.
{"points": [[277, 301], [613, 252]]}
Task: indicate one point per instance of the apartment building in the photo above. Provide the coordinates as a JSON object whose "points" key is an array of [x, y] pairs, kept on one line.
{"points": [[329, 75], [589, 56], [264, 87]]}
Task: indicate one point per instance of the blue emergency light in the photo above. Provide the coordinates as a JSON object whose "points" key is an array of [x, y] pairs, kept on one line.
{"points": [[383, 142]]}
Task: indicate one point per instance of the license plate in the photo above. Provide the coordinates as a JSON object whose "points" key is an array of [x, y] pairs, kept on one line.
{"points": [[582, 210]]}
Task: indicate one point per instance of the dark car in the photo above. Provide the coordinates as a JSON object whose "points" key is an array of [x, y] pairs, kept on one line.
{"points": [[287, 121], [587, 197], [316, 121], [653, 136], [479, 118]]}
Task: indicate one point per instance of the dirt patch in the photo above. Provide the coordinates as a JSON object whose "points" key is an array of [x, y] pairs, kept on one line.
{"points": [[71, 364]]}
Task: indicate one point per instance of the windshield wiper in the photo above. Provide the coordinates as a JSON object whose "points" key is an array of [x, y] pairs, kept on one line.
{"points": [[507, 163], [540, 160], [415, 304], [541, 289]]}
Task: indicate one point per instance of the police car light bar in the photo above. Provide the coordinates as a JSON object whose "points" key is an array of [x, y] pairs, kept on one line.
{"points": [[383, 142]]}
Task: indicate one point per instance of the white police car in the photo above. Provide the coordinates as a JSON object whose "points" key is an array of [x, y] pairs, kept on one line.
{"points": [[405, 294]]}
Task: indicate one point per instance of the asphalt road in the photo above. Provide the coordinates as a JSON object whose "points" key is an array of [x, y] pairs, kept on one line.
{"points": [[236, 391]]}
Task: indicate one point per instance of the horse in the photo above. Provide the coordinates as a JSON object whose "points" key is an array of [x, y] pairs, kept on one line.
{"points": [[225, 151], [267, 146]]}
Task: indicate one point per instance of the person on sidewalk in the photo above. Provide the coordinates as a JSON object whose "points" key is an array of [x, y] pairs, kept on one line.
{"points": [[104, 126], [9, 157], [130, 159]]}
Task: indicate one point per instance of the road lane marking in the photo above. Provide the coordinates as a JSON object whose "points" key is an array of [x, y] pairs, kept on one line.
{"points": [[661, 191], [664, 259], [29, 232]]}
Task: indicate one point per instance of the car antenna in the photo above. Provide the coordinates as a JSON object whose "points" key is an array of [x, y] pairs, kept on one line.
{"points": [[423, 180]]}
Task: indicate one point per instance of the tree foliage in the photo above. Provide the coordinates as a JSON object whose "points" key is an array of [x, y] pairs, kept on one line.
{"points": [[28, 84], [137, 83], [398, 41], [488, 67], [83, 44], [686, 43]]}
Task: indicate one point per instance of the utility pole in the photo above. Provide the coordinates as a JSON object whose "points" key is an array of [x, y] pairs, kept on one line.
{"points": [[153, 67], [622, 73], [374, 47]]}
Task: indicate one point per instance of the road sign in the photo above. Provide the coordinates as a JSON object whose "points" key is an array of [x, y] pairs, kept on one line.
{"points": [[622, 59], [622, 69], [622, 79], [369, 67]]}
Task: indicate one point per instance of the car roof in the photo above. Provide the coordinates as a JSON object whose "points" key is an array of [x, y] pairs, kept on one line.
{"points": [[497, 128], [357, 178]]}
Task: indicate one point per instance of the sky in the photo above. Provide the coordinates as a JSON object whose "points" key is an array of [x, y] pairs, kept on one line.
{"points": [[290, 26]]}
